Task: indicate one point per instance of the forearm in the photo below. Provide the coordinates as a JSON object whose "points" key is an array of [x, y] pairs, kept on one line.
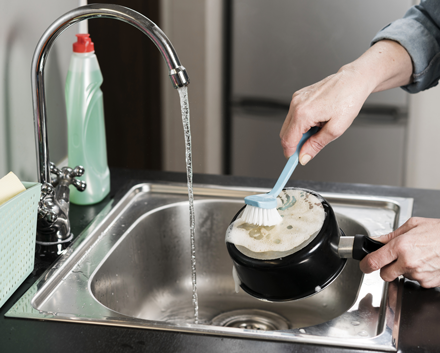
{"points": [[383, 66]]}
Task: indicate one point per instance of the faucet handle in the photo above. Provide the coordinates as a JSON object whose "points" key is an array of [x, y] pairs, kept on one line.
{"points": [[54, 169], [46, 189], [55, 179], [45, 204], [79, 184], [67, 176], [77, 172]]}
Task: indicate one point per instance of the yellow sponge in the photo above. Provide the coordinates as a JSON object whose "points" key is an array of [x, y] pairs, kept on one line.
{"points": [[10, 186]]}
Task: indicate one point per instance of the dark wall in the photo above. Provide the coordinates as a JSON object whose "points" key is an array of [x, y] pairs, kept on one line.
{"points": [[130, 64]]}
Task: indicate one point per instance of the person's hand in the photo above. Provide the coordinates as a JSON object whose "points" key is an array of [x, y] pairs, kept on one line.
{"points": [[413, 250], [332, 104]]}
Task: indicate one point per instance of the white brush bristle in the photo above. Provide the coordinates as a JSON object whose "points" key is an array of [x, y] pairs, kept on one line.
{"points": [[261, 216]]}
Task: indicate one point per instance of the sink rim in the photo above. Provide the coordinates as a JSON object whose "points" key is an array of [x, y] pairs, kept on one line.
{"points": [[89, 237]]}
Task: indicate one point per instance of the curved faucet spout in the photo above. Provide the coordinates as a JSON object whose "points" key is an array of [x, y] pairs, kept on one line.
{"points": [[178, 75]]}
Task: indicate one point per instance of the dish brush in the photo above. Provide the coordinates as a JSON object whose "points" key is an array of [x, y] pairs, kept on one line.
{"points": [[261, 209]]}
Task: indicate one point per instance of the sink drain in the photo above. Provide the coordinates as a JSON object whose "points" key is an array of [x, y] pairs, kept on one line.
{"points": [[251, 320]]}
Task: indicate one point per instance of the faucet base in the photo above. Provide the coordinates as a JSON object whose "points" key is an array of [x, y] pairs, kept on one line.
{"points": [[52, 251], [53, 225]]}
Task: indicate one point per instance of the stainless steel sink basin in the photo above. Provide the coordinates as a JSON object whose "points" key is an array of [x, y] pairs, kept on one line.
{"points": [[146, 275], [131, 267]]}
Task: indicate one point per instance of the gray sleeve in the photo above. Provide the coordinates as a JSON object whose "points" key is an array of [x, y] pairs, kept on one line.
{"points": [[419, 33]]}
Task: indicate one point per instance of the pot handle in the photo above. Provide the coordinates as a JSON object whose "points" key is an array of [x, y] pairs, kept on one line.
{"points": [[363, 245]]}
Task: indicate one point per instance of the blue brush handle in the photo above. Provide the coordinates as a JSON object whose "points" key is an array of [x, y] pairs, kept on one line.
{"points": [[291, 164]]}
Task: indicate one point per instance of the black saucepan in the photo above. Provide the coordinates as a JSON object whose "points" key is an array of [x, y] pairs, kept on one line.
{"points": [[307, 271]]}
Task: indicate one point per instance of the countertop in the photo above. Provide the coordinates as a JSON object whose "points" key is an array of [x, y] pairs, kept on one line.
{"points": [[419, 327]]}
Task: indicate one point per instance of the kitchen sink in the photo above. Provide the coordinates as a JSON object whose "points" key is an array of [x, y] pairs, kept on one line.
{"points": [[131, 267]]}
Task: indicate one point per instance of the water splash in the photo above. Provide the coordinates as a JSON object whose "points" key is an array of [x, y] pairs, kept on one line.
{"points": [[184, 105]]}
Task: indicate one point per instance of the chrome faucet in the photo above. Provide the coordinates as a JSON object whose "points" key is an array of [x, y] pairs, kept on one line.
{"points": [[53, 226]]}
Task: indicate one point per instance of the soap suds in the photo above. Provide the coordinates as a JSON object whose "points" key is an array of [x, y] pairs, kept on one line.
{"points": [[303, 216]]}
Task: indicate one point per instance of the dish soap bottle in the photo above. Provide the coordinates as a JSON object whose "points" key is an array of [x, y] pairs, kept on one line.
{"points": [[85, 123]]}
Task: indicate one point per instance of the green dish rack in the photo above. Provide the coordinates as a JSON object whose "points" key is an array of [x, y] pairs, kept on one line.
{"points": [[18, 225]]}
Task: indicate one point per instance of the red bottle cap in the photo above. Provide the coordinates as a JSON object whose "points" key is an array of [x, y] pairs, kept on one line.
{"points": [[84, 44]]}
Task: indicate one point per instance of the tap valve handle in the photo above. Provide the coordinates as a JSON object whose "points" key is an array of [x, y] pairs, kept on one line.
{"points": [[54, 169], [55, 179], [67, 176], [77, 172], [79, 184], [45, 203], [46, 189]]}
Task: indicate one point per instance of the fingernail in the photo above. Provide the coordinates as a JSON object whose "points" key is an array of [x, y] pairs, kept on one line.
{"points": [[305, 159]]}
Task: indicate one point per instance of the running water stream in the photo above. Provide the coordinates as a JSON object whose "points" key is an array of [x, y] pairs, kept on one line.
{"points": [[184, 105]]}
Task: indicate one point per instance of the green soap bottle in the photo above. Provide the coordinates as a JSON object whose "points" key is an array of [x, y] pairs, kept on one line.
{"points": [[85, 123]]}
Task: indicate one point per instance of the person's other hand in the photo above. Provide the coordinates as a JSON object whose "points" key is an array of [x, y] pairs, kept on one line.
{"points": [[413, 250], [332, 104]]}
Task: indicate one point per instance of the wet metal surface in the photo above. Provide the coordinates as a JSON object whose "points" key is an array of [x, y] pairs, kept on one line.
{"points": [[131, 267]]}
